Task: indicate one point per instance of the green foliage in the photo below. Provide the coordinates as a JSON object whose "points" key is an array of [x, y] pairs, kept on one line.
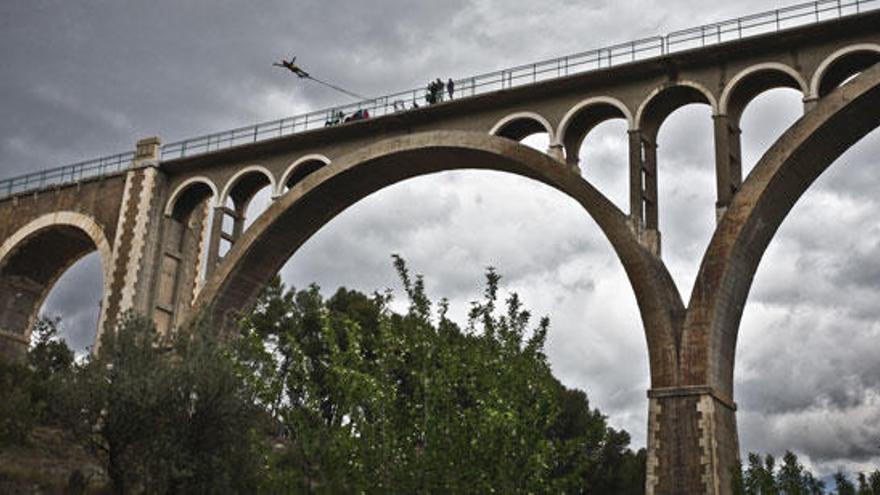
{"points": [[26, 388], [18, 411], [762, 478], [163, 416], [368, 400], [843, 485]]}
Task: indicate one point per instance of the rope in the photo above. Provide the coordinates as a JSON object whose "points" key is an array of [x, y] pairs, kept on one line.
{"points": [[337, 88]]}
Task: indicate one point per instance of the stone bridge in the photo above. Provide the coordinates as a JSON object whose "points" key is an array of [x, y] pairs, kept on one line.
{"points": [[172, 238]]}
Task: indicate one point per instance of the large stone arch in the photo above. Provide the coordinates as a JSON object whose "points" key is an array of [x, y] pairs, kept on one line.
{"points": [[314, 201], [33, 259], [779, 179]]}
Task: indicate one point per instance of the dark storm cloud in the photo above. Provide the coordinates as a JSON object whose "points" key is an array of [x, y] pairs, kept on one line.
{"points": [[80, 79]]}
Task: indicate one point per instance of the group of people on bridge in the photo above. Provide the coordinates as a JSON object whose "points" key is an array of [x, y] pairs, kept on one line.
{"points": [[434, 92]]}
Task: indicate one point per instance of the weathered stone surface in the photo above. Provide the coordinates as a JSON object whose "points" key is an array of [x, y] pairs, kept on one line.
{"points": [[159, 226]]}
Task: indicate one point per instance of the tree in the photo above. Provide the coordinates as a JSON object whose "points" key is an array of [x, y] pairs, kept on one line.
{"points": [[369, 400], [26, 388], [759, 476], [864, 488], [163, 415], [874, 479], [843, 485], [790, 479]]}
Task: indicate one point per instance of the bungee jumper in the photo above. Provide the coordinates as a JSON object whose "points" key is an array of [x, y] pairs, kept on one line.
{"points": [[292, 67], [295, 69]]}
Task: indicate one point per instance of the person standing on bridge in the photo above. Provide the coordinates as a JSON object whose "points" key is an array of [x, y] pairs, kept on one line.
{"points": [[450, 87]]}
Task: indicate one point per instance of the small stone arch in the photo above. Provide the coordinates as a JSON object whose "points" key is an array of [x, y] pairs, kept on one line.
{"points": [[682, 93], [817, 90], [179, 190], [754, 80], [583, 117], [294, 168], [87, 235], [257, 170], [519, 125]]}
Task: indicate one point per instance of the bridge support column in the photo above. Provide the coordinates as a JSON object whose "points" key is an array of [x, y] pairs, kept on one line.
{"points": [[643, 190], [218, 235], [692, 441], [136, 244], [728, 162]]}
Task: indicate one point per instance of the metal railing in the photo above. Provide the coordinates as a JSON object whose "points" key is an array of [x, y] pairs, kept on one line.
{"points": [[766, 22], [67, 174], [601, 58]]}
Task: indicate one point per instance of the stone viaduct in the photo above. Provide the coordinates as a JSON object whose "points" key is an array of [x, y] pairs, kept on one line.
{"points": [[172, 242]]}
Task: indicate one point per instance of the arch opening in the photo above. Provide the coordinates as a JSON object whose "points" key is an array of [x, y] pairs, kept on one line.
{"points": [[75, 301], [766, 117], [583, 118], [245, 197], [603, 158], [666, 100], [299, 170], [31, 263], [296, 217], [752, 83], [528, 128], [843, 68], [780, 178], [450, 225], [811, 313], [680, 110], [186, 255]]}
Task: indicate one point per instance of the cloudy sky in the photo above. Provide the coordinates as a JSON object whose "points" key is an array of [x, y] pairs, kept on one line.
{"points": [[83, 79]]}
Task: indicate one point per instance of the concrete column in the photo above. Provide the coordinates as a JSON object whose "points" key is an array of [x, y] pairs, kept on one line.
{"points": [[636, 183], [644, 213], [692, 441], [216, 237], [728, 162]]}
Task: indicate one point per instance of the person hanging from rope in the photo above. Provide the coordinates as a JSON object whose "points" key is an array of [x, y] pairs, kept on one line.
{"points": [[292, 67], [302, 74]]}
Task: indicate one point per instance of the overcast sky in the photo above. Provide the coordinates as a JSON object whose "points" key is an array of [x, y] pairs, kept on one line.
{"points": [[83, 79]]}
